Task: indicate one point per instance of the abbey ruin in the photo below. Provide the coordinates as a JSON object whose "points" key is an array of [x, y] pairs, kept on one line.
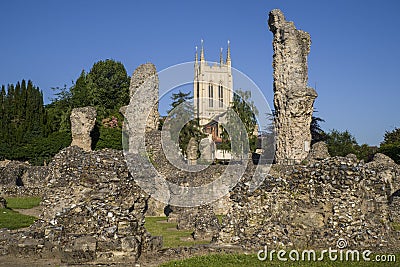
{"points": [[293, 99], [93, 209], [82, 124]]}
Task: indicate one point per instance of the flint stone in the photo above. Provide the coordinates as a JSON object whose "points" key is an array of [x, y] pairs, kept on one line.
{"points": [[319, 151], [293, 99]]}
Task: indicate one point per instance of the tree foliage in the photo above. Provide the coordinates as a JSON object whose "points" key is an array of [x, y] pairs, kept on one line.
{"points": [[31, 131], [317, 134], [341, 143], [27, 130], [182, 113], [391, 144], [23, 114], [391, 137], [106, 86], [241, 114], [180, 98]]}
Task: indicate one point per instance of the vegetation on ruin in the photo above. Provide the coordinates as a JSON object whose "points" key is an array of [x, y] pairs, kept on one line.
{"points": [[220, 218], [396, 226]]}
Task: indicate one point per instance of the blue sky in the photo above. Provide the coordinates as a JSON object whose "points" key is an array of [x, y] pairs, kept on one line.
{"points": [[354, 59]]}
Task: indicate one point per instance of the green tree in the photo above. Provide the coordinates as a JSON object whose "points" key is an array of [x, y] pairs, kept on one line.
{"points": [[23, 120], [180, 98], [391, 137], [317, 134], [81, 96], [182, 113], [341, 143], [391, 145], [31, 131], [391, 150], [366, 152], [243, 109], [59, 111], [105, 87], [3, 96], [108, 85]]}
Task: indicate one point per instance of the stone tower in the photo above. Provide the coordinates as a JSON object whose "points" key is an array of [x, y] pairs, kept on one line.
{"points": [[213, 86], [293, 99]]}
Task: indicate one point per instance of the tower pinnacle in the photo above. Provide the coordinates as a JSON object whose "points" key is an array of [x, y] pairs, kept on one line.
{"points": [[228, 54], [202, 51]]}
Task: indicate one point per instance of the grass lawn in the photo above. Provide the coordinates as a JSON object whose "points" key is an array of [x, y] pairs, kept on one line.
{"points": [[13, 220], [22, 202], [158, 226], [238, 260]]}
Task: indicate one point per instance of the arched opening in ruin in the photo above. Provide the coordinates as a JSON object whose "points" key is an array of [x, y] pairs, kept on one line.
{"points": [[19, 182]]}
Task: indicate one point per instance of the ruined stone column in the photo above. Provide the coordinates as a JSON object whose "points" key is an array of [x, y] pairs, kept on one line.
{"points": [[82, 124], [140, 75], [191, 151], [141, 116], [207, 150], [293, 99]]}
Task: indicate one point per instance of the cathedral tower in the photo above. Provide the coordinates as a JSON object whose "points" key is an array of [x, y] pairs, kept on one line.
{"points": [[213, 88]]}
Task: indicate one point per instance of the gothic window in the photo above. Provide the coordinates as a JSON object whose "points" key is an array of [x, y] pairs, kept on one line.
{"points": [[210, 95], [221, 95]]}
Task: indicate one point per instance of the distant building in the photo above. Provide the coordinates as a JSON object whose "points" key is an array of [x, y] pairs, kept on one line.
{"points": [[212, 92]]}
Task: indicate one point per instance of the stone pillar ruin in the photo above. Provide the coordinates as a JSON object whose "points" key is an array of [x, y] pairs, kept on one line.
{"points": [[207, 150], [147, 73], [141, 115], [191, 151], [293, 99], [82, 124]]}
